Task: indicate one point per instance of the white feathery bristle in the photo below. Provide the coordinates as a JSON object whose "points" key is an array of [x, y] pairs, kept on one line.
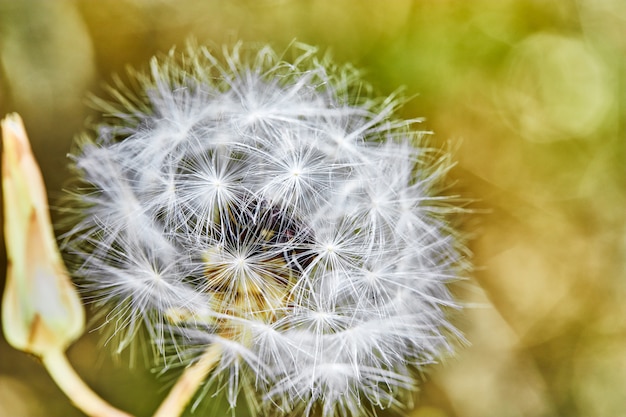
{"points": [[273, 208]]}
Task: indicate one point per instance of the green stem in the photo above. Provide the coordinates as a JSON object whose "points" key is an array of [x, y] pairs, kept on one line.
{"points": [[75, 388], [188, 383]]}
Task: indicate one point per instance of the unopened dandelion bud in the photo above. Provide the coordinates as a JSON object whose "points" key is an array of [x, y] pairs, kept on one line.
{"points": [[269, 208], [41, 311]]}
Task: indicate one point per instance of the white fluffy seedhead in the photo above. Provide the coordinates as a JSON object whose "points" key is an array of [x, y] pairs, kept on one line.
{"points": [[269, 205]]}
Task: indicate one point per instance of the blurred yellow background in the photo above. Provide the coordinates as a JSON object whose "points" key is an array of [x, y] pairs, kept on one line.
{"points": [[530, 94]]}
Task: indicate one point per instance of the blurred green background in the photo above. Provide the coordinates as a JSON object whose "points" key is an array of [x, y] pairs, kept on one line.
{"points": [[530, 94]]}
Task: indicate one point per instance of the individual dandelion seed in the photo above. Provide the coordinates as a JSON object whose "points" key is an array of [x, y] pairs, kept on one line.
{"points": [[267, 205]]}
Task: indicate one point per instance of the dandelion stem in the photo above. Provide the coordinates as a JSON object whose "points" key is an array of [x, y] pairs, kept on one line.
{"points": [[188, 383], [75, 388]]}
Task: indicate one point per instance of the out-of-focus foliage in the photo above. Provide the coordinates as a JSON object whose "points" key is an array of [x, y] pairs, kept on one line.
{"points": [[531, 95]]}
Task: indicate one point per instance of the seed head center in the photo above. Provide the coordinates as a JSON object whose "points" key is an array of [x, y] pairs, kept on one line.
{"points": [[262, 254]]}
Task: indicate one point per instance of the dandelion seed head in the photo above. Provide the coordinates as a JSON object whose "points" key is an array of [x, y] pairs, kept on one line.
{"points": [[271, 206]]}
